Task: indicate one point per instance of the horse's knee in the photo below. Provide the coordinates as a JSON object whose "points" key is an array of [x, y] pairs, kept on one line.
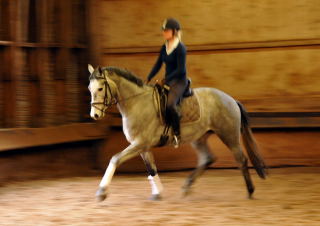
{"points": [[115, 160]]}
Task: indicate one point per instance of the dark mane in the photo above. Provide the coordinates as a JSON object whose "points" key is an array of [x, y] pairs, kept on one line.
{"points": [[124, 74]]}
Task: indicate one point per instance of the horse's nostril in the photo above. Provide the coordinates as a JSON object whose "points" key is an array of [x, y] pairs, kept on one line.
{"points": [[96, 116]]}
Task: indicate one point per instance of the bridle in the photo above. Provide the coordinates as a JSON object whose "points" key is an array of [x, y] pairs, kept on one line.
{"points": [[106, 103], [113, 100]]}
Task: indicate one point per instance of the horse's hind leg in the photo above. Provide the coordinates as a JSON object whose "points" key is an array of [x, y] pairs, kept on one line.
{"points": [[153, 177], [233, 143], [205, 159], [243, 162]]}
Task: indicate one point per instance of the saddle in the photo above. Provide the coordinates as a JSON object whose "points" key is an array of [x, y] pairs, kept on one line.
{"points": [[160, 99]]}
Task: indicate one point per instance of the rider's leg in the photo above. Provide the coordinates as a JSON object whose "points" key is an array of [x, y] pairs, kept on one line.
{"points": [[177, 89], [174, 119]]}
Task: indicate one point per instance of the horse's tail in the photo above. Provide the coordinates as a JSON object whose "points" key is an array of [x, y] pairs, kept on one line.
{"points": [[250, 144]]}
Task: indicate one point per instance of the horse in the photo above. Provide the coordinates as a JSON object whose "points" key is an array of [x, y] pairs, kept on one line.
{"points": [[220, 114]]}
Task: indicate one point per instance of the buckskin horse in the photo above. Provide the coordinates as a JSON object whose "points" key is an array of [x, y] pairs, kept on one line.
{"points": [[219, 114]]}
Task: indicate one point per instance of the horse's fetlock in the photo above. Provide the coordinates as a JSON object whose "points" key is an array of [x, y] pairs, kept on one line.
{"points": [[189, 182], [210, 160]]}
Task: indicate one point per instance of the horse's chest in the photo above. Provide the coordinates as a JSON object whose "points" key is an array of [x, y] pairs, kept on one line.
{"points": [[130, 129]]}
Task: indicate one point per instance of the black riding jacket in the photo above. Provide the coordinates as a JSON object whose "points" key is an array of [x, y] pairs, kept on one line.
{"points": [[175, 64]]}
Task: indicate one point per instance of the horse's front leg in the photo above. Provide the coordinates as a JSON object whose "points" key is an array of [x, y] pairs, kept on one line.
{"points": [[153, 177], [128, 153]]}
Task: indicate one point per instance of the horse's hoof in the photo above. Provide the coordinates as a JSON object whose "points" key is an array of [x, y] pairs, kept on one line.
{"points": [[250, 193], [101, 194], [156, 197], [250, 196], [186, 191]]}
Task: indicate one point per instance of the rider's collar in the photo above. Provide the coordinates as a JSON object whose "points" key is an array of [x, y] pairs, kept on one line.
{"points": [[173, 47]]}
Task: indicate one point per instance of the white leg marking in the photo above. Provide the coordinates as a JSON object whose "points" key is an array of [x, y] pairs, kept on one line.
{"points": [[156, 185], [108, 175]]}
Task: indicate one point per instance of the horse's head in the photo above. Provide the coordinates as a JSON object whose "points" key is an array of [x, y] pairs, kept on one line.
{"points": [[103, 92]]}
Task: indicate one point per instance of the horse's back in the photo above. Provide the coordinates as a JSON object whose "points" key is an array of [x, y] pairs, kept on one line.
{"points": [[213, 96], [217, 105]]}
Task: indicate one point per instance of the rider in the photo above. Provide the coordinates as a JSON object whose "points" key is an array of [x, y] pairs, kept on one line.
{"points": [[173, 54]]}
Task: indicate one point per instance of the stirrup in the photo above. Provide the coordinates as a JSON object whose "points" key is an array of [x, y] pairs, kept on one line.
{"points": [[176, 141]]}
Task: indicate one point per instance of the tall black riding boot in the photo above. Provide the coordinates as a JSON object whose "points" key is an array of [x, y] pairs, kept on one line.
{"points": [[175, 123]]}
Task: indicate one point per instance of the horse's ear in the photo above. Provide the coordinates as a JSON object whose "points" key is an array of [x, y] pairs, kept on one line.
{"points": [[90, 68]]}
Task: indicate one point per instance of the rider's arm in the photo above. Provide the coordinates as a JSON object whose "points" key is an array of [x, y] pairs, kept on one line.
{"points": [[157, 65]]}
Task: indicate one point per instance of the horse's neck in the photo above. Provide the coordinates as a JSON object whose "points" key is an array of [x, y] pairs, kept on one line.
{"points": [[127, 89], [128, 94]]}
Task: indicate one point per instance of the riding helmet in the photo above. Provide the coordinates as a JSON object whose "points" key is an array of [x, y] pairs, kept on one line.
{"points": [[171, 23]]}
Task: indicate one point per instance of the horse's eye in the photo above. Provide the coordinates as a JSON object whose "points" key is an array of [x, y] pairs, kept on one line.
{"points": [[100, 89]]}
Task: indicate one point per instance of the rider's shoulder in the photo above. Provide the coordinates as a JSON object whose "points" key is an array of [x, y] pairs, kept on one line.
{"points": [[181, 47]]}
